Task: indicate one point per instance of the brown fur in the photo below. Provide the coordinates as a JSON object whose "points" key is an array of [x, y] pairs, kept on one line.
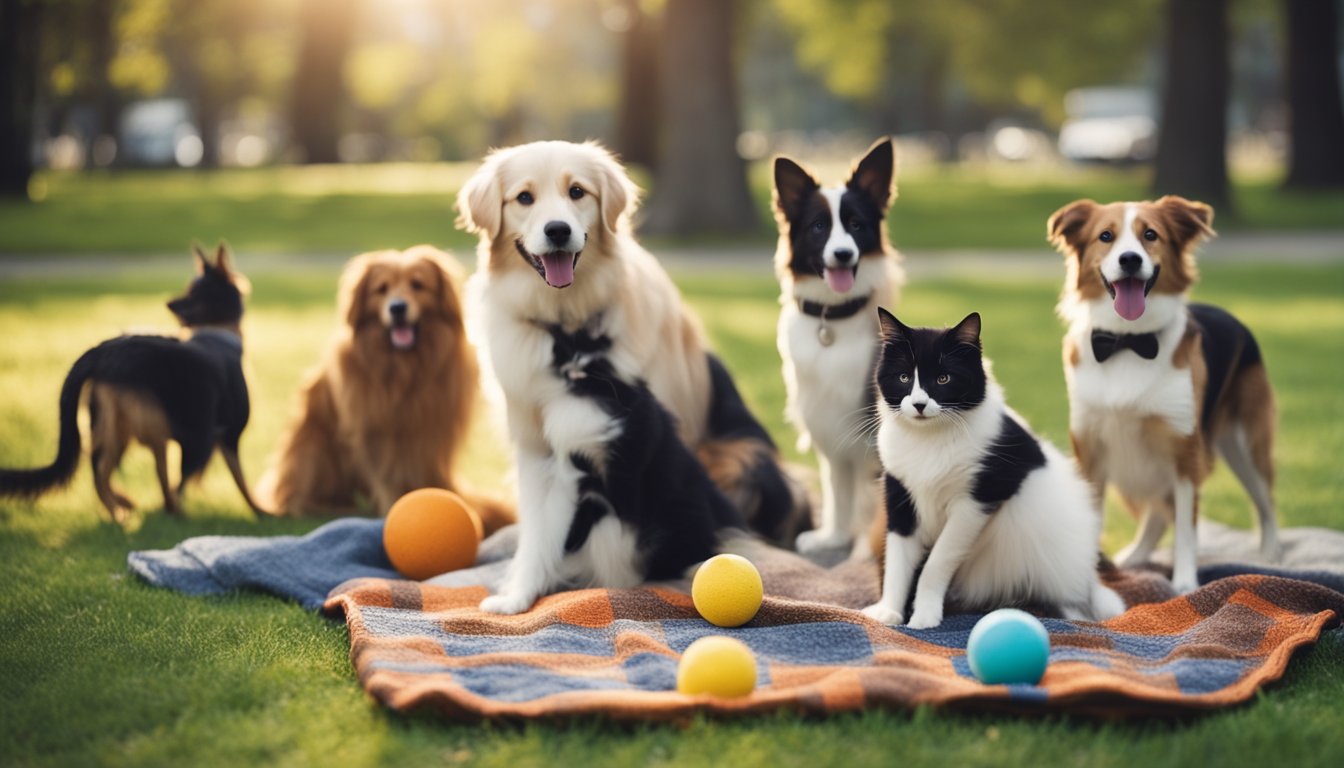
{"points": [[376, 422], [123, 415], [1246, 399]]}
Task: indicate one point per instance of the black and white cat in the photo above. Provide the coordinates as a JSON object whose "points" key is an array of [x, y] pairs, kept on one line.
{"points": [[1002, 516]]}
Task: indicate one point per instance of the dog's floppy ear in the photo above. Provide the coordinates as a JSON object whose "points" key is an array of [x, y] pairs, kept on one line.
{"points": [[450, 278], [1192, 221], [1063, 226], [792, 186], [354, 282], [618, 195], [873, 174], [480, 202]]}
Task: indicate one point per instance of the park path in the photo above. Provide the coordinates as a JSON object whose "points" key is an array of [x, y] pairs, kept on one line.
{"points": [[1305, 248]]}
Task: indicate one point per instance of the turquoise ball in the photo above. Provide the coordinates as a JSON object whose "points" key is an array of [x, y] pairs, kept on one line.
{"points": [[1008, 646]]}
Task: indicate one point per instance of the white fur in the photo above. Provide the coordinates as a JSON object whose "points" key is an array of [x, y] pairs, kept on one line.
{"points": [[1040, 545], [617, 285], [828, 389], [840, 239]]}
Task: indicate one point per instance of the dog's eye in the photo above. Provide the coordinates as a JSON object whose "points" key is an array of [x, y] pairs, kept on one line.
{"points": [[904, 378], [944, 378], [819, 225], [575, 192], [1150, 235], [1107, 237], [416, 285], [525, 198], [381, 289], [854, 225]]}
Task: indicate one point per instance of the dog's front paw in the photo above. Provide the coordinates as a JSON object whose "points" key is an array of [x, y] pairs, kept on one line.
{"points": [[926, 616], [821, 540], [884, 613], [506, 604], [1131, 556]]}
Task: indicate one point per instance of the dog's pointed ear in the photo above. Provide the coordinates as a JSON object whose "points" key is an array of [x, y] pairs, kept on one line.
{"points": [[793, 184], [201, 260], [968, 331], [354, 283], [223, 257], [874, 173], [480, 202], [1064, 225], [618, 195]]}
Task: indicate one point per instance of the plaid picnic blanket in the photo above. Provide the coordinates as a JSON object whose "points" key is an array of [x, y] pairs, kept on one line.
{"points": [[425, 645]]}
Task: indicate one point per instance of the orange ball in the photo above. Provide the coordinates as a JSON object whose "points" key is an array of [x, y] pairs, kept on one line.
{"points": [[431, 531]]}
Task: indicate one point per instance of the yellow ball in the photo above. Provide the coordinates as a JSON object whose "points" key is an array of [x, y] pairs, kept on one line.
{"points": [[431, 531], [727, 590], [717, 665]]}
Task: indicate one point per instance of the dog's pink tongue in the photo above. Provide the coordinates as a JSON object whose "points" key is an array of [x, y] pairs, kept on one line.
{"points": [[840, 280], [559, 268], [1129, 299], [403, 336]]}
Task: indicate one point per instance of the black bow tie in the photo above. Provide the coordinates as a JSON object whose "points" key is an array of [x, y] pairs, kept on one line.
{"points": [[1106, 344]]}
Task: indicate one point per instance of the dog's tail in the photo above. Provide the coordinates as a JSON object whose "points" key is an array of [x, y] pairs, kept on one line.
{"points": [[29, 483], [744, 463]]}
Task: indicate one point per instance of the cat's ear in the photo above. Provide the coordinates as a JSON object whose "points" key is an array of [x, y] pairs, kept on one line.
{"points": [[968, 330], [892, 329]]}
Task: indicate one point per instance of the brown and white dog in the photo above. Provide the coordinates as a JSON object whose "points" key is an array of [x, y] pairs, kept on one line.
{"points": [[557, 259], [388, 408], [1157, 385]]}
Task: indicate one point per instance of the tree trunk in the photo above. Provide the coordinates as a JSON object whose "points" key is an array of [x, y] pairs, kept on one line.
{"points": [[701, 183], [1315, 110], [637, 115], [319, 90], [1192, 139], [20, 31]]}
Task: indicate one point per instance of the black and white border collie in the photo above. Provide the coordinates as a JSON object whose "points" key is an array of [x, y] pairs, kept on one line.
{"points": [[1157, 384], [835, 266]]}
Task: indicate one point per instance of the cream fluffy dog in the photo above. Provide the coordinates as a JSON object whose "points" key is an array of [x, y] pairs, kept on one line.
{"points": [[557, 251]]}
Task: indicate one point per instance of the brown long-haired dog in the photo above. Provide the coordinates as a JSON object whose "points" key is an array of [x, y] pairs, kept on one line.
{"points": [[389, 406]]}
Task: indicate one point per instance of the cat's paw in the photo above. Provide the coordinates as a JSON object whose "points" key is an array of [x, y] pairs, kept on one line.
{"points": [[925, 616], [885, 614], [507, 603], [821, 541]]}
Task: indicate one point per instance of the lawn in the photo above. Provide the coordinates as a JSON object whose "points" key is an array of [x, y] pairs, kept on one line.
{"points": [[101, 669], [346, 209]]}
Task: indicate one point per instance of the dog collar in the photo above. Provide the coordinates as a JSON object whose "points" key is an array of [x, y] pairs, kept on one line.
{"points": [[832, 312], [224, 337], [1105, 344]]}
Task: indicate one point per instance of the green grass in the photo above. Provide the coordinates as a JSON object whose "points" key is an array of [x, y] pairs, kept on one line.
{"points": [[347, 209], [100, 669]]}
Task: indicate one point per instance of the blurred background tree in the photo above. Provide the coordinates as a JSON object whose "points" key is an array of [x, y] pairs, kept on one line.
{"points": [[691, 91]]}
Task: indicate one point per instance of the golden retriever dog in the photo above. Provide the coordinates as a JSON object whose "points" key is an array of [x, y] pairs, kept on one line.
{"points": [[558, 259], [387, 409]]}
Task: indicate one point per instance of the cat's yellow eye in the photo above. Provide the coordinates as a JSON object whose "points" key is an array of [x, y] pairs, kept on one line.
{"points": [[904, 378], [944, 379]]}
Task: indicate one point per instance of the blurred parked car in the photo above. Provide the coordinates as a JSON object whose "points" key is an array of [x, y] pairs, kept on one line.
{"points": [[1111, 124], [160, 132]]}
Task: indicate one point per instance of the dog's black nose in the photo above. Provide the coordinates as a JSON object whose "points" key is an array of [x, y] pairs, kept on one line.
{"points": [[920, 407], [557, 232], [398, 309], [1130, 262], [843, 255]]}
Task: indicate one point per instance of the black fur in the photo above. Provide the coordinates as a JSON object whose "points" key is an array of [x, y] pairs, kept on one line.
{"points": [[932, 352], [901, 517], [1014, 455], [773, 509], [1228, 347], [807, 214], [199, 384], [648, 478]]}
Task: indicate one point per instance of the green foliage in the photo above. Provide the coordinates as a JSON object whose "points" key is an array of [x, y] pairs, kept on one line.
{"points": [[101, 669], [997, 49]]}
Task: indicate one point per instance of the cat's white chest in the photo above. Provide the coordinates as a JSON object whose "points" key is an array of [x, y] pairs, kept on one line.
{"points": [[936, 468]]}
